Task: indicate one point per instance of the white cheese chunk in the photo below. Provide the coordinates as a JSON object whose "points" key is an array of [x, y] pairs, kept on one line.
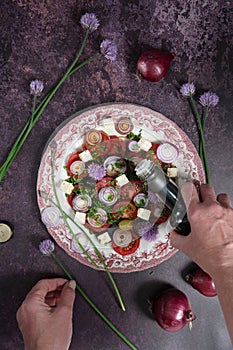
{"points": [[66, 187], [143, 214], [122, 180], [104, 238], [80, 218], [144, 144], [85, 156], [109, 125], [172, 172]]}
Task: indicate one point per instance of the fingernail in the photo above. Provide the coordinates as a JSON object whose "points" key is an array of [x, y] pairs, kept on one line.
{"points": [[72, 284]]}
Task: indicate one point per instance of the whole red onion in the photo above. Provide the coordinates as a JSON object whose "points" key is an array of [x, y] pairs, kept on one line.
{"points": [[171, 309], [201, 281], [153, 65]]}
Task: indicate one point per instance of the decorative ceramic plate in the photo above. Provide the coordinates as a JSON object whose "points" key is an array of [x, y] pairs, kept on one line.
{"points": [[69, 138]]}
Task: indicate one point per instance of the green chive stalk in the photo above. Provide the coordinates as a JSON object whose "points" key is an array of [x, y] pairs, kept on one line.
{"points": [[203, 155], [39, 109], [93, 306], [65, 217]]}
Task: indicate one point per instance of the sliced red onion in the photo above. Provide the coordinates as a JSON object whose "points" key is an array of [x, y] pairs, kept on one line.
{"points": [[108, 195], [50, 216], [82, 240], [124, 126], [100, 218], [167, 153], [114, 165], [77, 167], [122, 238], [93, 137], [81, 202], [133, 146], [141, 200]]}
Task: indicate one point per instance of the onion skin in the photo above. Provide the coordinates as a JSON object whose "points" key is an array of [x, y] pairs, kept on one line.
{"points": [[172, 311], [202, 282], [153, 65]]}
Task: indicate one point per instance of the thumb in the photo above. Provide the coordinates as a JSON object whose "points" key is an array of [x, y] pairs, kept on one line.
{"points": [[67, 296], [177, 240]]}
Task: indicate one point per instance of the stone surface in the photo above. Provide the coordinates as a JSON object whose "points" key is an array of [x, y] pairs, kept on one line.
{"points": [[38, 40]]}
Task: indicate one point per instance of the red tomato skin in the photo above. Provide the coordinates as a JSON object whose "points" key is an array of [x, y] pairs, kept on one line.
{"points": [[97, 229], [130, 249], [131, 189], [104, 182], [130, 210]]}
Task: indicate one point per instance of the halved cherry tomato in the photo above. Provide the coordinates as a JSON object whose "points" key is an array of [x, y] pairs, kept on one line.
{"points": [[131, 189], [72, 195], [104, 182], [130, 249], [117, 147], [72, 158], [124, 210], [98, 229]]}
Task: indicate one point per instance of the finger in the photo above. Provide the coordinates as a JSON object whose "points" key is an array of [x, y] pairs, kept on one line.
{"points": [[45, 286], [177, 240], [67, 295], [190, 196], [207, 193], [224, 199]]}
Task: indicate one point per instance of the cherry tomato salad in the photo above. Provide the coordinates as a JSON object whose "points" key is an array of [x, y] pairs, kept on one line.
{"points": [[104, 191]]}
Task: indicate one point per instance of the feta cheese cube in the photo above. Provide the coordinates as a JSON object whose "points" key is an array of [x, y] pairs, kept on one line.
{"points": [[122, 180], [144, 144], [172, 172], [104, 238], [80, 218], [109, 125], [85, 156], [66, 187], [143, 214]]}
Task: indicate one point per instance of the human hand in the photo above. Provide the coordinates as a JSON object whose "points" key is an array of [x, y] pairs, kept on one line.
{"points": [[45, 316], [210, 243]]}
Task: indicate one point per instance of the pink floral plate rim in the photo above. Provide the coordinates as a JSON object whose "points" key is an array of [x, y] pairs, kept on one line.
{"points": [[152, 123]]}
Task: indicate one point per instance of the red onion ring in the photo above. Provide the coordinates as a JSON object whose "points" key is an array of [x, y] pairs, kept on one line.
{"points": [[124, 126], [81, 202], [50, 216], [77, 167], [93, 137], [108, 195], [167, 153], [99, 219], [122, 238]]}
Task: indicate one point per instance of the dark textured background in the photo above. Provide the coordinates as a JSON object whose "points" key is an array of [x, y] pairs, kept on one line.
{"points": [[38, 39]]}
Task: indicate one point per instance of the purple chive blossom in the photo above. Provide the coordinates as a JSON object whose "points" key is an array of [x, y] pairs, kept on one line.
{"points": [[152, 197], [96, 171], [148, 231], [108, 49], [209, 99], [36, 87], [187, 89], [46, 247], [89, 21]]}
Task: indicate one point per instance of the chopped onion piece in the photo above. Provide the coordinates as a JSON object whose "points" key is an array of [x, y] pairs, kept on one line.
{"points": [[167, 153], [50, 216], [122, 238]]}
